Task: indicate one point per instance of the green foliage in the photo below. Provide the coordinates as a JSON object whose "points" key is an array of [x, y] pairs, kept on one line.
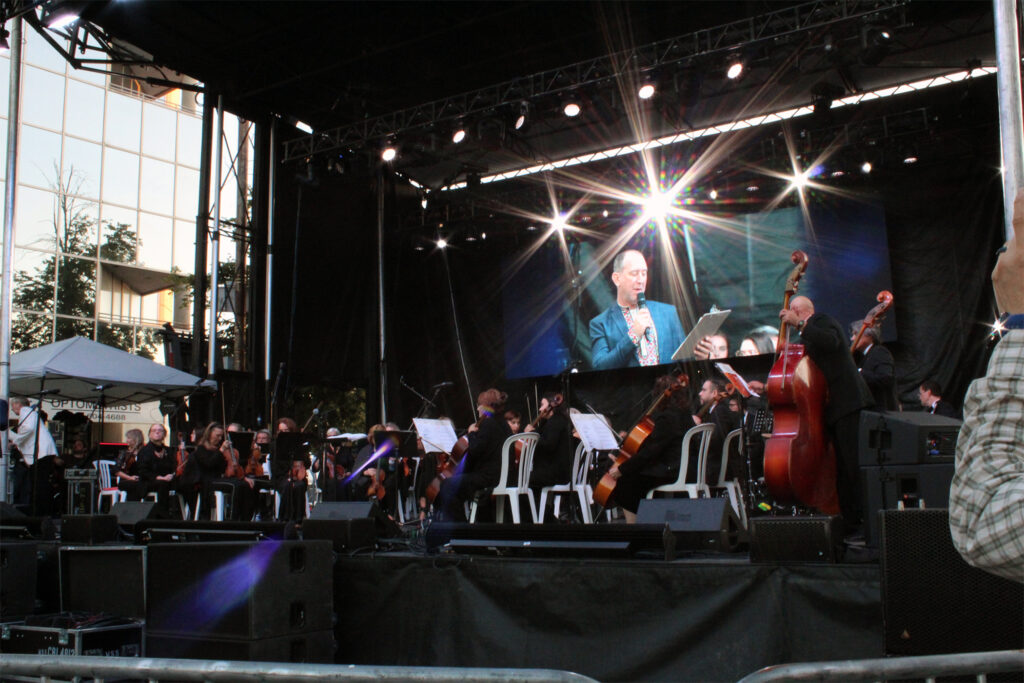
{"points": [[341, 408]]}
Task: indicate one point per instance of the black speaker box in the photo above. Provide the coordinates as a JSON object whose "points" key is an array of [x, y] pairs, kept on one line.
{"points": [[48, 577], [316, 647], [906, 438], [566, 540], [933, 602], [18, 577], [795, 539], [386, 527], [239, 590], [697, 523], [88, 529], [107, 579], [130, 513], [28, 528], [347, 535], [166, 530], [886, 487]]}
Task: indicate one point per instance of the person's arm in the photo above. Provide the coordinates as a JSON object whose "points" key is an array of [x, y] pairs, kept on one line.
{"points": [[986, 499], [26, 433], [606, 351]]}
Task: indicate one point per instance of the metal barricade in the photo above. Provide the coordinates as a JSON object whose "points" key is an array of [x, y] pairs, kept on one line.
{"points": [[928, 668], [45, 667]]}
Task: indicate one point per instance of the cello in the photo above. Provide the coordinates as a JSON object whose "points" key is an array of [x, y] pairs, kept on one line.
{"points": [[874, 316], [799, 461], [633, 440]]}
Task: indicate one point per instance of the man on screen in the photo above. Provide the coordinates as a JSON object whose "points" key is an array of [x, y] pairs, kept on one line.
{"points": [[633, 331]]}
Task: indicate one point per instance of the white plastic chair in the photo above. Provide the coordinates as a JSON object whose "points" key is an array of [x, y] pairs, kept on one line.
{"points": [[107, 488], [730, 486], [680, 485], [577, 484], [522, 486]]}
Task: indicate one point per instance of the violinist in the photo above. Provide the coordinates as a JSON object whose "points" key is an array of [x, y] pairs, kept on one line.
{"points": [[338, 461], [826, 343], [288, 474], [156, 468], [552, 459], [657, 460], [481, 467], [127, 469], [218, 466], [373, 480], [257, 470]]}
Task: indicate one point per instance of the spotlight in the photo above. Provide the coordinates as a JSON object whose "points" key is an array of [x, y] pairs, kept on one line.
{"points": [[604, 214], [713, 194], [471, 237], [59, 14], [908, 152], [531, 228], [304, 127], [875, 42], [866, 167], [559, 222], [798, 181], [441, 243], [838, 173], [910, 159], [459, 135], [571, 108], [734, 70], [524, 112], [389, 153], [423, 202], [483, 235], [658, 204], [646, 91], [752, 188]]}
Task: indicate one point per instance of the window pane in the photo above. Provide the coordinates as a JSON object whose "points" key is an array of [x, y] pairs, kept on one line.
{"points": [[149, 344], [40, 52], [72, 327], [85, 111], [77, 219], [3, 145], [5, 74], [42, 98], [33, 280], [34, 218], [186, 194], [124, 121], [118, 336], [184, 246], [155, 241], [158, 131], [89, 76], [120, 242], [39, 155], [76, 287], [120, 177], [29, 331], [157, 187], [82, 163], [190, 139]]}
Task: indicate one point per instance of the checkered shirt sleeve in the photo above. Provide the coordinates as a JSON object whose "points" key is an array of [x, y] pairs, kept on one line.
{"points": [[986, 500]]}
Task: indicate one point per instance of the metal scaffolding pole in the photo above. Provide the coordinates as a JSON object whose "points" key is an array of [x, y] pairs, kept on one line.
{"points": [[381, 339], [202, 230], [211, 356], [268, 295], [1011, 122], [6, 295]]}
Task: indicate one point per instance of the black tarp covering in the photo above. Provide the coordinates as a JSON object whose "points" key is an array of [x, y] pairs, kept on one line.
{"points": [[630, 620]]}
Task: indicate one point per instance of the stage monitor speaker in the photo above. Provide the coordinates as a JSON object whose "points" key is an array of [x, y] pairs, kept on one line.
{"points": [[239, 590], [547, 540], [168, 530], [347, 535], [311, 648], [88, 529], [933, 602], [122, 571], [697, 523], [795, 539], [18, 577], [130, 513], [906, 438], [386, 527], [884, 488]]}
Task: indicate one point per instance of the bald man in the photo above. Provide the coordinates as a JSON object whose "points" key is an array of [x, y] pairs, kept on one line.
{"points": [[633, 332], [827, 344]]}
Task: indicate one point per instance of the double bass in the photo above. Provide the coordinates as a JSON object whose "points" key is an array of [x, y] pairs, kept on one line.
{"points": [[633, 440], [874, 316], [799, 461]]}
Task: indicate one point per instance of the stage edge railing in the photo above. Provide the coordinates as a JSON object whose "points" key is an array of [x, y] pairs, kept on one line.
{"points": [[976, 664], [99, 668]]}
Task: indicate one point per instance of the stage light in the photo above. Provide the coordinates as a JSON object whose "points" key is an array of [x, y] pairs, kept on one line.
{"points": [[304, 127], [604, 213], [524, 113], [423, 202], [798, 181], [657, 205], [531, 228], [875, 42], [908, 152], [735, 70], [571, 109], [713, 194], [646, 91], [60, 14], [459, 135], [441, 243], [389, 153], [866, 167], [5, 46], [471, 237], [752, 188], [838, 173], [483, 235], [559, 222]]}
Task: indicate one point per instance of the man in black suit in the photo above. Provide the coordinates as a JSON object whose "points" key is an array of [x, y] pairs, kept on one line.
{"points": [[826, 344], [930, 393], [715, 409], [876, 364]]}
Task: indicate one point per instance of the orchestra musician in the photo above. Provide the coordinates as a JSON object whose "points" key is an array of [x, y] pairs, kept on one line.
{"points": [[826, 343], [156, 470], [715, 410], [930, 393], [633, 331], [257, 470], [127, 469], [877, 367], [657, 460], [219, 466], [288, 475], [552, 459], [481, 466], [374, 480], [514, 419]]}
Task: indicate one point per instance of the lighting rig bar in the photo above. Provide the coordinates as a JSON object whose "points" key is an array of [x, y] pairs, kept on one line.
{"points": [[510, 94]]}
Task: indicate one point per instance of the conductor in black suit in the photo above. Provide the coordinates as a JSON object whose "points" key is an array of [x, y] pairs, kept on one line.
{"points": [[877, 367], [827, 345], [930, 393]]}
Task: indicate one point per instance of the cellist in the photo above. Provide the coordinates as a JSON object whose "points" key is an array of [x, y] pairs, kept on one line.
{"points": [[827, 344]]}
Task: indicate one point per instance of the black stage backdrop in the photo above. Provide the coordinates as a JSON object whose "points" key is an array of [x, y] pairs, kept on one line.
{"points": [[944, 221]]}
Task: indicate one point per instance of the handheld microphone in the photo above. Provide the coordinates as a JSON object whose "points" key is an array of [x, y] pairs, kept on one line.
{"points": [[641, 302]]}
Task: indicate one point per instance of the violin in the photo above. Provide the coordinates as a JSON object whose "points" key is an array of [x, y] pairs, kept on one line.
{"points": [[874, 316], [542, 416], [799, 461], [182, 455], [233, 468], [637, 435]]}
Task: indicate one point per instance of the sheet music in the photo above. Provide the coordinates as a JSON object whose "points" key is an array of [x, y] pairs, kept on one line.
{"points": [[736, 379], [438, 435], [595, 432]]}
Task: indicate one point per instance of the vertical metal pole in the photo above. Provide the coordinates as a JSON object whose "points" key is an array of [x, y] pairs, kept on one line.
{"points": [[382, 358], [6, 295], [268, 313], [1011, 122], [202, 229], [211, 360]]}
